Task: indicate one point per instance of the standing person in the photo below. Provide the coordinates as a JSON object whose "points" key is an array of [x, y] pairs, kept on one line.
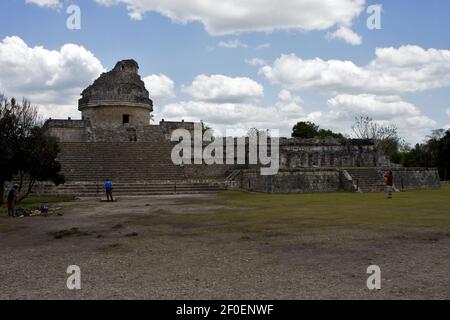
{"points": [[12, 199], [389, 177], [108, 187]]}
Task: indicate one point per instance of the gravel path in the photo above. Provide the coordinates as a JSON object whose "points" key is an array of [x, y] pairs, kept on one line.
{"points": [[131, 253]]}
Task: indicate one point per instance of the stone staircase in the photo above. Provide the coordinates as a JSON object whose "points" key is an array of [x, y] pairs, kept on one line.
{"points": [[367, 179], [119, 161], [136, 168]]}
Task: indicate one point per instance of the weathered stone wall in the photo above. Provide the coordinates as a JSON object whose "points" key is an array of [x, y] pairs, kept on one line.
{"points": [[169, 126], [67, 130], [329, 152], [294, 181], [416, 178], [330, 180], [112, 116]]}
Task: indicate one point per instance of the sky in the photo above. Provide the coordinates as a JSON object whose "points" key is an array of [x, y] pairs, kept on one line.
{"points": [[240, 64]]}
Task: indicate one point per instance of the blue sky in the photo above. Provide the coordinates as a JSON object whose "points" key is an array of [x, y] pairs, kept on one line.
{"points": [[197, 62]]}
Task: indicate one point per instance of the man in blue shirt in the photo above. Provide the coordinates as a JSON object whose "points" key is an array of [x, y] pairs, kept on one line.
{"points": [[108, 187]]}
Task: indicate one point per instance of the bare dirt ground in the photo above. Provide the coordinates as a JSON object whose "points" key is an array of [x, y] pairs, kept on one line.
{"points": [[141, 248]]}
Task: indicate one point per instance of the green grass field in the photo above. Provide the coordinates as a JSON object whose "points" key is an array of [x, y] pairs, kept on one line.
{"points": [[253, 212]]}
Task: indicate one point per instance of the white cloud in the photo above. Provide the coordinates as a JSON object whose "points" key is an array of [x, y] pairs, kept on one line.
{"points": [[44, 3], [347, 35], [238, 118], [232, 44], [235, 16], [255, 62], [160, 86], [448, 112], [412, 125], [46, 77], [59, 111], [376, 106], [393, 71], [219, 88]]}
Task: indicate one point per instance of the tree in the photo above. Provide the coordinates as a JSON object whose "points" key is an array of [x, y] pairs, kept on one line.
{"points": [[323, 133], [366, 128], [38, 161], [386, 137], [16, 122], [443, 156], [205, 128], [435, 152], [25, 150], [305, 130], [310, 130]]}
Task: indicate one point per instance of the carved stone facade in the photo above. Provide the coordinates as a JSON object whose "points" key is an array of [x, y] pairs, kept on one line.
{"points": [[329, 153]]}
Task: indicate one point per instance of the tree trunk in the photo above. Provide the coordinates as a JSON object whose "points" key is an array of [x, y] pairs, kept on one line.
{"points": [[2, 192], [30, 188]]}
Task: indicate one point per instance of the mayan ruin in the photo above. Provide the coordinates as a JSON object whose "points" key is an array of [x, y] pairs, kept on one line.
{"points": [[115, 125]]}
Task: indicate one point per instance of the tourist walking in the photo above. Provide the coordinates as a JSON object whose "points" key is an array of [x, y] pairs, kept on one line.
{"points": [[109, 187], [12, 199], [389, 177]]}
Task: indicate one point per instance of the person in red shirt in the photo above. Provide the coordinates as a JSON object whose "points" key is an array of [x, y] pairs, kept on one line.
{"points": [[389, 177]]}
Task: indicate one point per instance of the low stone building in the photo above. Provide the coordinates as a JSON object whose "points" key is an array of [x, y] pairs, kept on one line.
{"points": [[114, 139]]}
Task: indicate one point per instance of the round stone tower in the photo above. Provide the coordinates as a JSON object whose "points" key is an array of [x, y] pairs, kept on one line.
{"points": [[117, 98]]}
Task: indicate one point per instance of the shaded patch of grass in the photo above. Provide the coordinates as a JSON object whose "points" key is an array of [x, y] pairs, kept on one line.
{"points": [[46, 199], [35, 201], [69, 233]]}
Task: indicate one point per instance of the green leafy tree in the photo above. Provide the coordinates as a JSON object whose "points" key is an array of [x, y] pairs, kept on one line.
{"points": [[16, 122], [38, 162], [323, 133], [306, 130], [25, 151], [434, 153], [443, 156]]}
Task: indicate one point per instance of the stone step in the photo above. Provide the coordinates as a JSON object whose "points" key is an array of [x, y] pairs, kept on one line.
{"points": [[126, 161], [368, 180]]}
